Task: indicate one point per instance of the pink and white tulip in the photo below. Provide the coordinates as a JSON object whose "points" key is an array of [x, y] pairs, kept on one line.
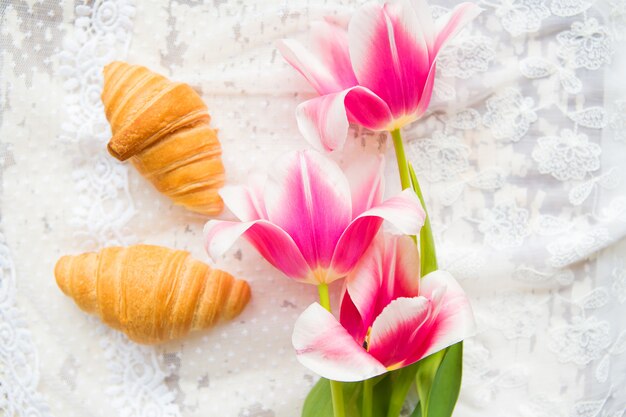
{"points": [[309, 220], [389, 317], [378, 73]]}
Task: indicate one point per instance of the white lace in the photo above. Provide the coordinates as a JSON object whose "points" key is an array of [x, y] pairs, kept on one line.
{"points": [[102, 32], [520, 158], [19, 360]]}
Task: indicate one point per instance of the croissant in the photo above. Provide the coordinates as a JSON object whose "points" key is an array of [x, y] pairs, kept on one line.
{"points": [[151, 293], [163, 127]]}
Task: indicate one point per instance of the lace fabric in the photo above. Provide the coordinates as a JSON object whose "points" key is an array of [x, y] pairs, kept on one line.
{"points": [[520, 159]]}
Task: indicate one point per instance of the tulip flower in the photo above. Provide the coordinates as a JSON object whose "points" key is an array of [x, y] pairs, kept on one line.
{"points": [[389, 317], [309, 220], [378, 73]]}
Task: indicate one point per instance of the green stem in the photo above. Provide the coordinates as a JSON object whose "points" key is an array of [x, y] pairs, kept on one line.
{"points": [[403, 167], [395, 404], [322, 289], [336, 388], [368, 386], [428, 254]]}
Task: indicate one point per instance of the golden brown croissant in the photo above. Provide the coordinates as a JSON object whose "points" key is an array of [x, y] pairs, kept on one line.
{"points": [[163, 126], [151, 293]]}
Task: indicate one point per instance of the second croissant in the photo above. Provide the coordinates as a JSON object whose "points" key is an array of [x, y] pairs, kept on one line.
{"points": [[151, 293]]}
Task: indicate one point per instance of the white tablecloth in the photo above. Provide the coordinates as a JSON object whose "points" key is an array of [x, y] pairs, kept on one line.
{"points": [[521, 159]]}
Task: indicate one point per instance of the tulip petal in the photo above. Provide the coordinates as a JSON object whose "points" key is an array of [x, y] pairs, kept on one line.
{"points": [[388, 270], [308, 196], [366, 178], [328, 68], [397, 329], [449, 25], [326, 348], [455, 319], [351, 320], [246, 202], [276, 246], [389, 54], [428, 92], [410, 329], [404, 211], [323, 121], [424, 15]]}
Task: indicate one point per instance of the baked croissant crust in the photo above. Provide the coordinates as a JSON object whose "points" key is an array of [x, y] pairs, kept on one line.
{"points": [[163, 128], [151, 293]]}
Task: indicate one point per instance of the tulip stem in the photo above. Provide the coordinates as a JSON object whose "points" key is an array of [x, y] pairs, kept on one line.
{"points": [[403, 167], [336, 387], [368, 386], [322, 289]]}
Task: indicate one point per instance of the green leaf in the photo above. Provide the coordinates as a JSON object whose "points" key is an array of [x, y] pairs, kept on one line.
{"points": [[319, 402], [401, 381], [381, 396], [438, 381], [428, 255], [447, 384], [417, 412]]}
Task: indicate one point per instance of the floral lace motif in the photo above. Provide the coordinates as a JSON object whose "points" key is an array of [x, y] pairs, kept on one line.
{"points": [[509, 115], [440, 158], [102, 31], [19, 374], [619, 284], [466, 56], [581, 341], [516, 315], [520, 16], [586, 45], [505, 226], [568, 156]]}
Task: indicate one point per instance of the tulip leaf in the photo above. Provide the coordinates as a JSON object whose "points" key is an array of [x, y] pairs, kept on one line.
{"points": [[401, 381], [438, 381], [428, 256], [380, 398], [319, 402], [417, 412]]}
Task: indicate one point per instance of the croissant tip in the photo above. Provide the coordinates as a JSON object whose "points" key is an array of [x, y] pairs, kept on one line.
{"points": [[62, 271], [113, 153], [238, 303]]}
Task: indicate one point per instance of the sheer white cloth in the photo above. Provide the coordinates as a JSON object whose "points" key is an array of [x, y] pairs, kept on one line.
{"points": [[521, 159]]}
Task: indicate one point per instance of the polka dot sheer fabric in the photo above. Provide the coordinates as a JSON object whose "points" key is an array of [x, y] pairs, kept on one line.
{"points": [[520, 158]]}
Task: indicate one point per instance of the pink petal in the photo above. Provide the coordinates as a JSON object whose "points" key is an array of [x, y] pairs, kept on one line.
{"points": [[426, 24], [388, 270], [404, 211], [397, 329], [366, 178], [323, 121], [308, 196], [410, 329], [455, 319], [326, 348], [427, 94], [351, 320], [328, 68], [390, 54], [270, 241], [246, 202], [449, 25]]}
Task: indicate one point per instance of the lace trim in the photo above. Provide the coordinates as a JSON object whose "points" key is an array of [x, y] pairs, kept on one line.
{"points": [[102, 32], [19, 373]]}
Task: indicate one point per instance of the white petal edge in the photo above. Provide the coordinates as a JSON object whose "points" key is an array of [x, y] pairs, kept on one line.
{"points": [[325, 347], [455, 311]]}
